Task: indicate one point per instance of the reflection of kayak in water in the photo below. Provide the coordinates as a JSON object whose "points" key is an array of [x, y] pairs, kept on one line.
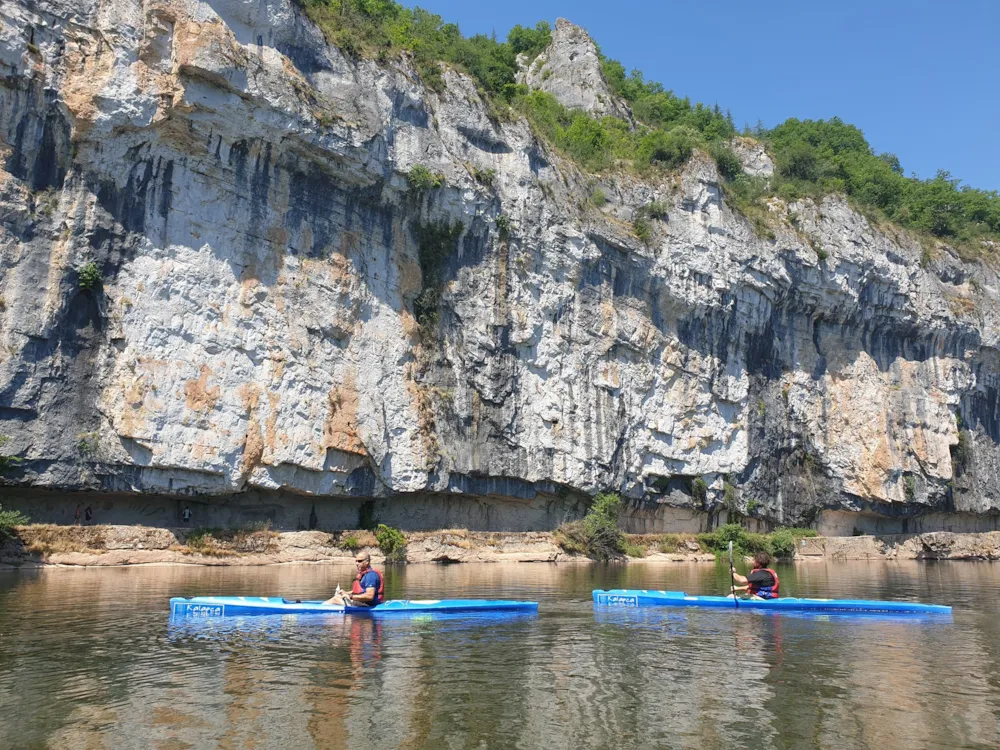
{"points": [[643, 598], [242, 606]]}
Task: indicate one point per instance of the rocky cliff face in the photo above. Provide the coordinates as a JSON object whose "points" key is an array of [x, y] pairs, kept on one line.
{"points": [[570, 70], [277, 309]]}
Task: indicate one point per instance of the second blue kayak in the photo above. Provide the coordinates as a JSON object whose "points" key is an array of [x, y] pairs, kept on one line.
{"points": [[242, 606], [643, 598]]}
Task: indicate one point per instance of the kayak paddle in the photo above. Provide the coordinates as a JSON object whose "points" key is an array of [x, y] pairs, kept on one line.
{"points": [[732, 575]]}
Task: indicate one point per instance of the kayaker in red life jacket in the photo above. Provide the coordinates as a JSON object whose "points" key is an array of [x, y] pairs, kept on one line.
{"points": [[761, 582], [367, 589]]}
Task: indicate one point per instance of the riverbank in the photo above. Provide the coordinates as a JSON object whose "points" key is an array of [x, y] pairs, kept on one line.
{"points": [[41, 545]]}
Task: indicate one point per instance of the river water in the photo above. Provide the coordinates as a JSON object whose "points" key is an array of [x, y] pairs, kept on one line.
{"points": [[90, 659]]}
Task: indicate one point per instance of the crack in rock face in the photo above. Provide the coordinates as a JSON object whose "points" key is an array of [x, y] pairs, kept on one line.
{"points": [[271, 302]]}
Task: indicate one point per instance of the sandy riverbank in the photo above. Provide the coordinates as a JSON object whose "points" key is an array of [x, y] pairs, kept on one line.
{"points": [[50, 545]]}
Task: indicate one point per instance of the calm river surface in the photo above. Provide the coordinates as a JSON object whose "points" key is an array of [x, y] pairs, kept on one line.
{"points": [[89, 659]]}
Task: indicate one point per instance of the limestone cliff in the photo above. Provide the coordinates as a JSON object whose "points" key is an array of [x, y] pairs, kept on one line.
{"points": [[277, 308]]}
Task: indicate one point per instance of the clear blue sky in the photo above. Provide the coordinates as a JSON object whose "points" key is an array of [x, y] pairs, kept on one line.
{"points": [[921, 78]]}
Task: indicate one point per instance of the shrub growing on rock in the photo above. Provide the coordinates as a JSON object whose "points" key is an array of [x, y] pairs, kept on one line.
{"points": [[699, 490], [7, 461], [8, 520], [391, 541], [654, 210], [90, 276], [640, 228], [421, 178], [728, 163], [667, 148]]}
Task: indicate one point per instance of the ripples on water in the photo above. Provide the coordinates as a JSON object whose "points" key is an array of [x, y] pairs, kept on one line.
{"points": [[89, 658]]}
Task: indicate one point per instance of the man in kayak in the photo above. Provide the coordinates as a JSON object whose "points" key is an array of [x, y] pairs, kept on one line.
{"points": [[761, 582], [367, 589]]}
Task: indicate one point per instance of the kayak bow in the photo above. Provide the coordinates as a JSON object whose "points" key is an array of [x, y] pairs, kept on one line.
{"points": [[644, 598], [242, 606]]}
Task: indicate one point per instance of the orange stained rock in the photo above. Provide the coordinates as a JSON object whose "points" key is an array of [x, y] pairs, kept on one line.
{"points": [[253, 447], [89, 64], [198, 394], [270, 426], [340, 431]]}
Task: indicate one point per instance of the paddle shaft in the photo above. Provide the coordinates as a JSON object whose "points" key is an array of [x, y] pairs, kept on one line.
{"points": [[732, 576]]}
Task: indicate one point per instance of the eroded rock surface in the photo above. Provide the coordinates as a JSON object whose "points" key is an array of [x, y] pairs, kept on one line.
{"points": [[277, 309]]}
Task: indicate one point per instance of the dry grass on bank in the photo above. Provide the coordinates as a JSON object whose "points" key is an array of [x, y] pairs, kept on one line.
{"points": [[352, 541], [48, 538], [254, 538], [572, 538]]}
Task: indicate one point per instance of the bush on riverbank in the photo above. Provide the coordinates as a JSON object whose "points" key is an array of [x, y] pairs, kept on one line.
{"points": [[597, 535], [391, 541], [8, 520], [780, 543]]}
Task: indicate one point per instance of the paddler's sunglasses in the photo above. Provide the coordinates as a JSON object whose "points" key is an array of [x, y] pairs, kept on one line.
{"points": [[357, 561]]}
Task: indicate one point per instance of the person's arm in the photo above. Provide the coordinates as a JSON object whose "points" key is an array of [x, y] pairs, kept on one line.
{"points": [[368, 596], [740, 579]]}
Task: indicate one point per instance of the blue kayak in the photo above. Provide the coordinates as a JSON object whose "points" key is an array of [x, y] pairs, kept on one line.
{"points": [[242, 606], [643, 598]]}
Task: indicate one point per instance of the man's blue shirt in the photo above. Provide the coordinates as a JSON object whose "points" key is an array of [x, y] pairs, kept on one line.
{"points": [[371, 580]]}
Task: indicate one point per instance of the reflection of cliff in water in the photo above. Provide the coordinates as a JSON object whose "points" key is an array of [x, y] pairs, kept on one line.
{"points": [[90, 657]]}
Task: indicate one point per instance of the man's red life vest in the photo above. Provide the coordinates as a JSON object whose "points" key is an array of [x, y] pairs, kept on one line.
{"points": [[380, 589], [764, 592]]}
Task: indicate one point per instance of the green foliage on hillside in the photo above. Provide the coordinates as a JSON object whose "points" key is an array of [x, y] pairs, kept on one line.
{"points": [[670, 126], [599, 144], [817, 157], [379, 28], [658, 108], [813, 158]]}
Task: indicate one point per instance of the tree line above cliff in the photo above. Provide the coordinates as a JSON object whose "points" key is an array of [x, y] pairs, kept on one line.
{"points": [[812, 157]]}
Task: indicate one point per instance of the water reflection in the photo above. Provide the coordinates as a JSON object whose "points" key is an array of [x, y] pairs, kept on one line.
{"points": [[90, 658]]}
